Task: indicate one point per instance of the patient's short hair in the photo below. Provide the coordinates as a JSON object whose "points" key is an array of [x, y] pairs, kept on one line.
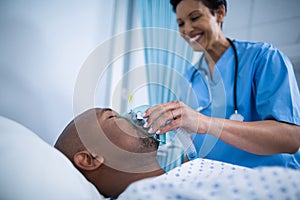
{"points": [[69, 142]]}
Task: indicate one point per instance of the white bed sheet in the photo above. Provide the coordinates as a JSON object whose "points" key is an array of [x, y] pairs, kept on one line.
{"points": [[31, 169], [207, 179]]}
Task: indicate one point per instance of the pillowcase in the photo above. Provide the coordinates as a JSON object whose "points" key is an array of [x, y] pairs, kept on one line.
{"points": [[32, 169]]}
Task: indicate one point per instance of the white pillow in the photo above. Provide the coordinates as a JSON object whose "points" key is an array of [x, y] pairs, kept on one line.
{"points": [[32, 169]]}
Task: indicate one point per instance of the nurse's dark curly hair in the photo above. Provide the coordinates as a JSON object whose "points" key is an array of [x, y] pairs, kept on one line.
{"points": [[212, 5]]}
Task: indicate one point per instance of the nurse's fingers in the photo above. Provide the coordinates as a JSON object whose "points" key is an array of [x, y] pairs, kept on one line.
{"points": [[175, 122], [157, 111], [162, 121], [170, 126], [164, 107]]}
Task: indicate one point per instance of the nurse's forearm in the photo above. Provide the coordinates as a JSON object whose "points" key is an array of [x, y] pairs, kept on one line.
{"points": [[261, 137]]}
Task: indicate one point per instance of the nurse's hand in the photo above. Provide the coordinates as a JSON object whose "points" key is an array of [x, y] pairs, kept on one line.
{"points": [[168, 116]]}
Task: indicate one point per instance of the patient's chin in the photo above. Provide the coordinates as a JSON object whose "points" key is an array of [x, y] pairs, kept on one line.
{"points": [[148, 145]]}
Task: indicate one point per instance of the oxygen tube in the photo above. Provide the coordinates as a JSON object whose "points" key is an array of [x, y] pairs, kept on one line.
{"points": [[185, 139]]}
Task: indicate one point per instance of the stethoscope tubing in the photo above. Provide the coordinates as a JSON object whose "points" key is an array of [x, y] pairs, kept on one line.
{"points": [[200, 108]]}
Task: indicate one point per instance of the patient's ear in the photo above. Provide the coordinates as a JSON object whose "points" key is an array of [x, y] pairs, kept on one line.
{"points": [[86, 161]]}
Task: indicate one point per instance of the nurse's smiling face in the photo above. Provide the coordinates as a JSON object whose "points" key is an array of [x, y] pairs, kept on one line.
{"points": [[198, 25]]}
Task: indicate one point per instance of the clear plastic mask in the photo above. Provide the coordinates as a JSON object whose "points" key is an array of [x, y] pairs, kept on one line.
{"points": [[135, 116]]}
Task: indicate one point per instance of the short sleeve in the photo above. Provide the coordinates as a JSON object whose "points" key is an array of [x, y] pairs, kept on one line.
{"points": [[275, 87]]}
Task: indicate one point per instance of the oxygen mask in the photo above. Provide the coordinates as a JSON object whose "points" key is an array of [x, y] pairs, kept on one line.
{"points": [[135, 116]]}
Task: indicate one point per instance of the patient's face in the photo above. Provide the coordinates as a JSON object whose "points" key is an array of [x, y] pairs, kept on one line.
{"points": [[122, 133], [105, 133]]}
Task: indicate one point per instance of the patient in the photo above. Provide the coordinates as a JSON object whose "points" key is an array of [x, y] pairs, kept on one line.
{"points": [[109, 151], [114, 155]]}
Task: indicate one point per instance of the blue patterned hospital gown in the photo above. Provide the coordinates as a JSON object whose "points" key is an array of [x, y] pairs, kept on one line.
{"points": [[208, 179]]}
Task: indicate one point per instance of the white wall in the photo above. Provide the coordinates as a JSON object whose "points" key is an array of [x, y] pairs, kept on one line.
{"points": [[273, 21], [43, 44]]}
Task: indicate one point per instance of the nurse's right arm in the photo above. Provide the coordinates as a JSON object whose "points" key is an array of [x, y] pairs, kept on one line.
{"points": [[264, 137]]}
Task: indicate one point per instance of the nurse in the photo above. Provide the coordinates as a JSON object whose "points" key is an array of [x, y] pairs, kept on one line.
{"points": [[254, 120]]}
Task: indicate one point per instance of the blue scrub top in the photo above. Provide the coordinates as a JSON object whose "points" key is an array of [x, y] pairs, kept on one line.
{"points": [[266, 90]]}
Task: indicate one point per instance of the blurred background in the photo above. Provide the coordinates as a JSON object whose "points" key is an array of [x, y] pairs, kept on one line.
{"points": [[45, 43]]}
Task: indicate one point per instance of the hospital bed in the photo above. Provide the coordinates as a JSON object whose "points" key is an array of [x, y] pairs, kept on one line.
{"points": [[32, 169]]}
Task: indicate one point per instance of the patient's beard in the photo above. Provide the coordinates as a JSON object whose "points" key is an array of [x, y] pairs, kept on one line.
{"points": [[148, 144]]}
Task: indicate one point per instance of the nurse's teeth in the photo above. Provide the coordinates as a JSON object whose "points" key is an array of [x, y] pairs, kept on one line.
{"points": [[193, 39]]}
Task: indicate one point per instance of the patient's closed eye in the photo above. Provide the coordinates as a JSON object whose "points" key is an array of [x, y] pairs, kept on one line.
{"points": [[111, 116]]}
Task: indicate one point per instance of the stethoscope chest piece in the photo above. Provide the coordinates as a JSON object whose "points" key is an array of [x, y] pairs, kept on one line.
{"points": [[236, 116]]}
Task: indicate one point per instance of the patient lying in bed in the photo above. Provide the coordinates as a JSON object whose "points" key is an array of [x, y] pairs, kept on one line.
{"points": [[32, 169], [121, 162], [109, 151]]}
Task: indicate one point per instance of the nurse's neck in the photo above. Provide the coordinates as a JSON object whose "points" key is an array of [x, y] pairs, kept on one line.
{"points": [[214, 53]]}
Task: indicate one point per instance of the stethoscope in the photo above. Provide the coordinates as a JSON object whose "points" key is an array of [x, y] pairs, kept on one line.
{"points": [[235, 115]]}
